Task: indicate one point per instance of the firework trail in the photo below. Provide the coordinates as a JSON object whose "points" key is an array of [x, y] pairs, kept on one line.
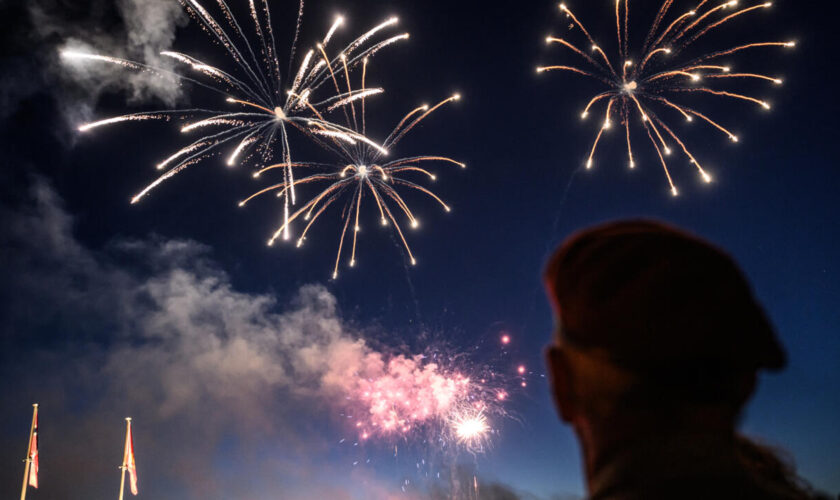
{"points": [[263, 107], [641, 88], [360, 172]]}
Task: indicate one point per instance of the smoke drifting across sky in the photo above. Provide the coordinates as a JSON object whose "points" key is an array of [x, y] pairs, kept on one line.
{"points": [[234, 394], [229, 390], [133, 29]]}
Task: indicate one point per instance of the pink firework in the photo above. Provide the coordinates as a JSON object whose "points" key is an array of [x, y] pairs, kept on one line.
{"points": [[409, 395]]}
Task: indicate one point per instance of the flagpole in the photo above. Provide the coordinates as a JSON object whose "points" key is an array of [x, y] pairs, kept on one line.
{"points": [[124, 465], [29, 453], [122, 482]]}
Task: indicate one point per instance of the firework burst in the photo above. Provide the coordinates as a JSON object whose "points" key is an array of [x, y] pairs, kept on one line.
{"points": [[470, 428], [639, 88], [361, 171], [437, 399], [263, 107]]}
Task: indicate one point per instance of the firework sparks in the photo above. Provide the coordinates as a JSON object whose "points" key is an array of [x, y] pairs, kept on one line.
{"points": [[263, 106], [471, 428], [361, 172], [638, 89], [409, 394], [406, 397], [443, 401]]}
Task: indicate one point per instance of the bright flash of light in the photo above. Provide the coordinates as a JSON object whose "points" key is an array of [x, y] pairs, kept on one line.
{"points": [[642, 93], [470, 428], [265, 105]]}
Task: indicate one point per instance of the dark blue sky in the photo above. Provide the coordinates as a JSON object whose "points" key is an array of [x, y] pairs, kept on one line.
{"points": [[772, 205]]}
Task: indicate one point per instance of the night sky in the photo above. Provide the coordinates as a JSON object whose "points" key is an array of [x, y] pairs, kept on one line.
{"points": [[90, 281]]}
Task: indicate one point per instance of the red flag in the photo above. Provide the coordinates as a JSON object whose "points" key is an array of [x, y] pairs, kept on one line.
{"points": [[128, 460], [33, 452]]}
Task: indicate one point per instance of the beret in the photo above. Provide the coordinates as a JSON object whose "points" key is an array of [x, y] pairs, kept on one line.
{"points": [[654, 297]]}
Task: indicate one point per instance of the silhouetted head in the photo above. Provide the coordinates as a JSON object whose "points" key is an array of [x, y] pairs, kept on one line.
{"points": [[653, 324]]}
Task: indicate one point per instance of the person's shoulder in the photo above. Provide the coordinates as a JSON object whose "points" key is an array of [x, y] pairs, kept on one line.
{"points": [[735, 488]]}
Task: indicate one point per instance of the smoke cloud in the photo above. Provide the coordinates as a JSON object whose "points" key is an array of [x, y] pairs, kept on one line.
{"points": [[133, 29], [155, 330]]}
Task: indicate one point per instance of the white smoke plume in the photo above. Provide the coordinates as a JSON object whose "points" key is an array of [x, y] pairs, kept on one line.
{"points": [[155, 330], [143, 29]]}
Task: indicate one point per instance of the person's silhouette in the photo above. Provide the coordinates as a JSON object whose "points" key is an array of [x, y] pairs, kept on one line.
{"points": [[658, 344]]}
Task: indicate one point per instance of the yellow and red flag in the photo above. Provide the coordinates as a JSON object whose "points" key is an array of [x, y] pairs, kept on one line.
{"points": [[128, 460], [33, 452]]}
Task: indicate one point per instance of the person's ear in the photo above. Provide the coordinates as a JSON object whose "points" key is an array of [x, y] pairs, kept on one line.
{"points": [[560, 377]]}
